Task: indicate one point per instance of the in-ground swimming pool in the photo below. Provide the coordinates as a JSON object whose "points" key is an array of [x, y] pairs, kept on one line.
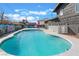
{"points": [[35, 43]]}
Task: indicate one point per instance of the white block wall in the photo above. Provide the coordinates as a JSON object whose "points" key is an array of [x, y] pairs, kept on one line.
{"points": [[54, 28]]}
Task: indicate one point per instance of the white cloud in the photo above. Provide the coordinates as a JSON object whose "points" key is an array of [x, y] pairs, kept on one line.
{"points": [[19, 18], [37, 18], [20, 10], [32, 19], [12, 15], [50, 9], [22, 17], [41, 12], [28, 12], [16, 10], [16, 17], [24, 13], [38, 12], [9, 15]]}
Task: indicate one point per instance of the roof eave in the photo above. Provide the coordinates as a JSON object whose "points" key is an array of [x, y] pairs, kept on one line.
{"points": [[56, 7]]}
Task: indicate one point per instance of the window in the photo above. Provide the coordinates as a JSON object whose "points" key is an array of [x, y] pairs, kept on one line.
{"points": [[77, 7], [61, 12]]}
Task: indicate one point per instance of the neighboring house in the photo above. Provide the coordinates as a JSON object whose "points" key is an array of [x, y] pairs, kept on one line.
{"points": [[68, 14], [7, 26], [41, 23], [31, 25], [2, 29], [3, 26], [17, 25]]}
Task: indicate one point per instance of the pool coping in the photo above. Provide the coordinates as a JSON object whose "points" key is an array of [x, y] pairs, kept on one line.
{"points": [[70, 52]]}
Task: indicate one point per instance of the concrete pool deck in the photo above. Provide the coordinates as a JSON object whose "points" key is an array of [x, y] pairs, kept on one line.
{"points": [[74, 51]]}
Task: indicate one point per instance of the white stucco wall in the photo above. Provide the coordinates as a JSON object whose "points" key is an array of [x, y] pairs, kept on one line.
{"points": [[54, 28]]}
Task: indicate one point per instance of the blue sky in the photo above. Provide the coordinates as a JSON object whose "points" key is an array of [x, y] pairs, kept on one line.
{"points": [[31, 11]]}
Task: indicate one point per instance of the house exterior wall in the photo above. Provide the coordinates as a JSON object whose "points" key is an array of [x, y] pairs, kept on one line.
{"points": [[69, 17], [68, 11], [67, 8]]}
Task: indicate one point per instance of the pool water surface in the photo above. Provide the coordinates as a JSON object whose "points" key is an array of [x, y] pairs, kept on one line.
{"points": [[35, 43]]}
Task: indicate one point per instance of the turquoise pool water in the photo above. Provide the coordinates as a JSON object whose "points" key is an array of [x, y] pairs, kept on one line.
{"points": [[35, 43]]}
